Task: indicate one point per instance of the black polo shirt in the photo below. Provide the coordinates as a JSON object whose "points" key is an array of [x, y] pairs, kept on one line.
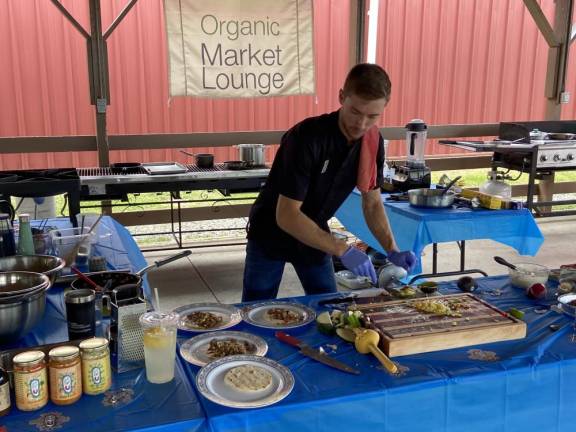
{"points": [[315, 164]]}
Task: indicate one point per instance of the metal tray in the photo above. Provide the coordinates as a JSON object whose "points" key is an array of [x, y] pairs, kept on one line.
{"points": [[164, 168]]}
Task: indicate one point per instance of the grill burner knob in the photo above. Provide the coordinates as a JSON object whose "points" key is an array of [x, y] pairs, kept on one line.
{"points": [[543, 158], [569, 156], [556, 157]]}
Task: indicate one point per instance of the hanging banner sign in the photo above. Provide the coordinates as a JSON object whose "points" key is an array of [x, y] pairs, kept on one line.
{"points": [[240, 48]]}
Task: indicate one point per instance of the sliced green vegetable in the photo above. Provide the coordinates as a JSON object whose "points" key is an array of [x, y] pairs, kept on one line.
{"points": [[516, 313]]}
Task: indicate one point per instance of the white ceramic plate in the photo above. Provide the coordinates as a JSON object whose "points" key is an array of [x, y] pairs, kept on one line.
{"points": [[195, 350], [257, 314], [210, 382], [230, 316], [567, 308]]}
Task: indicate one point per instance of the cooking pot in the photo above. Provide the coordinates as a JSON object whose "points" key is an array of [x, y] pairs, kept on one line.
{"points": [[252, 154], [236, 165], [524, 275], [126, 167], [561, 136], [431, 198], [203, 160]]}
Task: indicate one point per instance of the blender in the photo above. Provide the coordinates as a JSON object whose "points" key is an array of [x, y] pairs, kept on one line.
{"points": [[413, 174]]}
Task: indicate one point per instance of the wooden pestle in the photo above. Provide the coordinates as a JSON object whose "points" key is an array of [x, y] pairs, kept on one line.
{"points": [[367, 342]]}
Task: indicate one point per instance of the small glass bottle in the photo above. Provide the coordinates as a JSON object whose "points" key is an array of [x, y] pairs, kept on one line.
{"points": [[30, 380], [7, 243], [96, 372], [4, 392], [65, 375], [25, 240]]}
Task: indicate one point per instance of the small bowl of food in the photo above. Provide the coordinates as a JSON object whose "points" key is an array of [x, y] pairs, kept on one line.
{"points": [[428, 287], [567, 303]]}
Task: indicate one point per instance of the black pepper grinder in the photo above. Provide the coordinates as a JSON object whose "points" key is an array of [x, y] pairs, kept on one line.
{"points": [[4, 392]]}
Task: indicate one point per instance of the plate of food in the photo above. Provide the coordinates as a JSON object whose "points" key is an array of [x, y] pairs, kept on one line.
{"points": [[204, 317], [244, 381], [204, 348], [278, 315]]}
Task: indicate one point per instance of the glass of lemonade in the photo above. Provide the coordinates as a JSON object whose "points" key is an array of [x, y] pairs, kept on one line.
{"points": [[159, 345]]}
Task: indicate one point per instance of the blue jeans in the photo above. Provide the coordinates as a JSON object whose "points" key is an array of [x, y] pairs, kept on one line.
{"points": [[262, 275]]}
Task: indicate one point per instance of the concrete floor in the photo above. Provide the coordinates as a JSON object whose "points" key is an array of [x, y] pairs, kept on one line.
{"points": [[214, 274]]}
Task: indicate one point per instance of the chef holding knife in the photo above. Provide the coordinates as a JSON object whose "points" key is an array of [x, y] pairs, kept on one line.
{"points": [[318, 164]]}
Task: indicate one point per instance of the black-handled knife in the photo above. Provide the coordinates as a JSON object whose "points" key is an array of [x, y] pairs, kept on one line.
{"points": [[314, 354]]}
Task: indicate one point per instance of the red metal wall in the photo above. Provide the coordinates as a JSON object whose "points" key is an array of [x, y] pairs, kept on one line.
{"points": [[451, 61], [465, 61]]}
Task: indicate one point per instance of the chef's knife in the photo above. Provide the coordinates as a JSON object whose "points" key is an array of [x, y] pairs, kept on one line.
{"points": [[308, 351]]}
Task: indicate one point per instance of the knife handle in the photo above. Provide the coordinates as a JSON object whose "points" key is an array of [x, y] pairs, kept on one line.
{"points": [[286, 338]]}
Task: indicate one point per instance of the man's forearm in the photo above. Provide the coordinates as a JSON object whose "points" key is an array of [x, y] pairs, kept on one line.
{"points": [[304, 229], [377, 221]]}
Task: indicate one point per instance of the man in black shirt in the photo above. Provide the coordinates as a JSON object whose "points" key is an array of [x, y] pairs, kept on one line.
{"points": [[318, 164]]}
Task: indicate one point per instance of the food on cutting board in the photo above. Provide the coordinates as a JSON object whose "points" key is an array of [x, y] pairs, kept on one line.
{"points": [[218, 348], [436, 307], [202, 320], [248, 378], [283, 316]]}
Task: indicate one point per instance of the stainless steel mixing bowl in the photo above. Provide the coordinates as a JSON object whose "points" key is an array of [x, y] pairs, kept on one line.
{"points": [[15, 285], [49, 265], [19, 313]]}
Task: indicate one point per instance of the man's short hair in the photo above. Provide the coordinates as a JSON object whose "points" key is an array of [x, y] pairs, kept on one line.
{"points": [[368, 81]]}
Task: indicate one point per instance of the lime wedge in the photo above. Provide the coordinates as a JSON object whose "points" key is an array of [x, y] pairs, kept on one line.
{"points": [[324, 323]]}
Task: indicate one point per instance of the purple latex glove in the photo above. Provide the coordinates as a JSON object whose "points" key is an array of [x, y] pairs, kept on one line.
{"points": [[358, 263], [405, 259]]}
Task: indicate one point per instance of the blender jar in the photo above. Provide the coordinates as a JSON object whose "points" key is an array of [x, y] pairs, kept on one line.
{"points": [[416, 132]]}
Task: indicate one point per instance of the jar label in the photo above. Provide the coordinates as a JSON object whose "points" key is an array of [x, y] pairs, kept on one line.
{"points": [[4, 396], [64, 384], [31, 389], [96, 375]]}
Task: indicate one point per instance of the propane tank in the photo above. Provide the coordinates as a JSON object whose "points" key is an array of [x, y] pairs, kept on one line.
{"points": [[496, 186]]}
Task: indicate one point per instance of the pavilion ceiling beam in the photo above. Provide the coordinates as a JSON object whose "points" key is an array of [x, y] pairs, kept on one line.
{"points": [[542, 23], [119, 19], [70, 18]]}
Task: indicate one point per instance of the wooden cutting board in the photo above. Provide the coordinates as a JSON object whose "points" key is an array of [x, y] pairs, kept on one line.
{"points": [[405, 330]]}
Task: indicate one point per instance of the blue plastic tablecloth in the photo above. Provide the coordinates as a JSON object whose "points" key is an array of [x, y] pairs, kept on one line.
{"points": [[521, 385], [415, 228], [141, 405]]}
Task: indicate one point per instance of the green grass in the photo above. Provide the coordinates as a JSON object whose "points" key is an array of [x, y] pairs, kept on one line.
{"points": [[159, 201]]}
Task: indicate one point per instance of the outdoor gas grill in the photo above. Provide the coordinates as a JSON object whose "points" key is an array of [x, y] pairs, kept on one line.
{"points": [[40, 183], [533, 148], [113, 183]]}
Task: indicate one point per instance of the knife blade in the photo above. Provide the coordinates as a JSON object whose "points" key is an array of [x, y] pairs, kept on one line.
{"points": [[314, 354]]}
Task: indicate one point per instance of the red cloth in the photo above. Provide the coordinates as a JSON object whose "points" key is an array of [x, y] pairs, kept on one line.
{"points": [[366, 180]]}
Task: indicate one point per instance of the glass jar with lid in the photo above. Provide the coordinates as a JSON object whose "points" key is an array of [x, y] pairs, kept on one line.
{"points": [[30, 380], [65, 375], [96, 372]]}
